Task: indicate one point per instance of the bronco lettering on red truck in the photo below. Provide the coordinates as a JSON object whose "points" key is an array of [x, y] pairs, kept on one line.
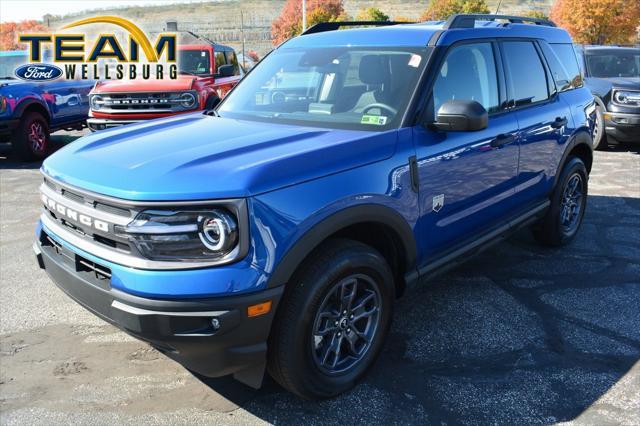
{"points": [[207, 71]]}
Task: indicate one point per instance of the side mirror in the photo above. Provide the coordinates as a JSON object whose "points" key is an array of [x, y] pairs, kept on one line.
{"points": [[461, 116], [225, 71]]}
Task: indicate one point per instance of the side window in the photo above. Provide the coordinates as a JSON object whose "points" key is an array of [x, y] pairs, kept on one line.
{"points": [[233, 60], [528, 76], [468, 73], [567, 57], [220, 60]]}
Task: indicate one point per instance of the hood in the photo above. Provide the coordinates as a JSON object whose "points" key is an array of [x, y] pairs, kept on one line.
{"points": [[602, 86], [622, 82], [183, 82], [197, 157]]}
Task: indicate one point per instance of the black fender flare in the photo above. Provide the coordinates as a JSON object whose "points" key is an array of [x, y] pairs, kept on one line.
{"points": [[581, 137], [27, 103], [363, 213]]}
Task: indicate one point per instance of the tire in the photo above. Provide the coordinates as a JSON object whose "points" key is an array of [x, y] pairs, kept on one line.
{"points": [[307, 364], [564, 217], [211, 103], [30, 140], [599, 135]]}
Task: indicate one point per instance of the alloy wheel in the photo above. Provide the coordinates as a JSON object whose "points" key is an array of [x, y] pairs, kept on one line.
{"points": [[345, 324]]}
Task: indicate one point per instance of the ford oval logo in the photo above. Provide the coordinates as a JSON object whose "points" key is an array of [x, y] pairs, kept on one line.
{"points": [[38, 72]]}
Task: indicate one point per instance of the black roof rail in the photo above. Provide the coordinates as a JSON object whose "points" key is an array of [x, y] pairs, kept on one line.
{"points": [[321, 27], [469, 20]]}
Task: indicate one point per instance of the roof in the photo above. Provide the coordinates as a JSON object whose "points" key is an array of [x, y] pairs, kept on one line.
{"points": [[420, 34]]}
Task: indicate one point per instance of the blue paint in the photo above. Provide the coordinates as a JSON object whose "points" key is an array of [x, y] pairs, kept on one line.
{"points": [[295, 177]]}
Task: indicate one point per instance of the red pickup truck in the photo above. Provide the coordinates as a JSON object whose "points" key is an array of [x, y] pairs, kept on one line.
{"points": [[207, 71]]}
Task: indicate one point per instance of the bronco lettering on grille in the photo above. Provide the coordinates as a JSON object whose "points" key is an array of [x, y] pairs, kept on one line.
{"points": [[73, 215]]}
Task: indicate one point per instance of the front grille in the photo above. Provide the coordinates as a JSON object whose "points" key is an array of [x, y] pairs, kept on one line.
{"points": [[138, 102], [79, 213]]}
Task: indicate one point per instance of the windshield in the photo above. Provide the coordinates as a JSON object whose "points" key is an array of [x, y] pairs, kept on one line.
{"points": [[196, 62], [337, 87], [614, 63]]}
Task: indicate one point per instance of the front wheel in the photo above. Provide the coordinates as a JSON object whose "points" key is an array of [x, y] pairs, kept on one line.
{"points": [[333, 320], [568, 203], [30, 140], [599, 136]]}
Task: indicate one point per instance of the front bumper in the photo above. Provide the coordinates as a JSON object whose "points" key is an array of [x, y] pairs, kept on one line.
{"points": [[7, 127], [623, 127], [96, 124], [211, 336]]}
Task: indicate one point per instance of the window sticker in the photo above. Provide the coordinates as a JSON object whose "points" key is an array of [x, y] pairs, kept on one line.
{"points": [[376, 120], [415, 60]]}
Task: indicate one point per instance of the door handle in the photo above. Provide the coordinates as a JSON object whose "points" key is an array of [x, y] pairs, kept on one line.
{"points": [[502, 140], [559, 122]]}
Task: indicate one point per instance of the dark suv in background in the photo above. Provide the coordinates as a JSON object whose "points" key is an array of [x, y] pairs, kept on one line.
{"points": [[612, 74]]}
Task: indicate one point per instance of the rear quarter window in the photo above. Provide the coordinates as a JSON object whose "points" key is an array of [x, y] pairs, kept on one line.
{"points": [[563, 63]]}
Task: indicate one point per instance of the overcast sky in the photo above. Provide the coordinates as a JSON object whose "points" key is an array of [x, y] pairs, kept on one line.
{"points": [[18, 10]]}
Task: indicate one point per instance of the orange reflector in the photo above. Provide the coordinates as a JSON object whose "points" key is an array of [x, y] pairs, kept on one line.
{"points": [[259, 309]]}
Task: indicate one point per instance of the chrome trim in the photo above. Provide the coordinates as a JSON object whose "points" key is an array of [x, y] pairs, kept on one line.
{"points": [[84, 208], [139, 311], [236, 206], [124, 259]]}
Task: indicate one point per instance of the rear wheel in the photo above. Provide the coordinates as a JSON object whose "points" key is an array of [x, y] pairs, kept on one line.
{"points": [[331, 325], [568, 203], [30, 139]]}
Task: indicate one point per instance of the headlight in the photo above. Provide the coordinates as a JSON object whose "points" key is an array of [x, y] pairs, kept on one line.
{"points": [[96, 102], [187, 100], [626, 97], [189, 235]]}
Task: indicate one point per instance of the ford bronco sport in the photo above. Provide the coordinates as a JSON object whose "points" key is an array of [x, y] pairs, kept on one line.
{"points": [[275, 232], [207, 71]]}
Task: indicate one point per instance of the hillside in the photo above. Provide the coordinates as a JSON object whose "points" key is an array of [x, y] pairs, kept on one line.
{"points": [[221, 20]]}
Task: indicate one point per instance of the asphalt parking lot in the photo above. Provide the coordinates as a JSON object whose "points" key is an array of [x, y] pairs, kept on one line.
{"points": [[518, 335]]}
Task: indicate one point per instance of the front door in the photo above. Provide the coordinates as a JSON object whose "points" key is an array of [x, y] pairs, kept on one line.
{"points": [[466, 180]]}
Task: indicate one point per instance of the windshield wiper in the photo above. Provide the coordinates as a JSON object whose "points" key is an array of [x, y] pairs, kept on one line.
{"points": [[187, 73], [212, 112]]}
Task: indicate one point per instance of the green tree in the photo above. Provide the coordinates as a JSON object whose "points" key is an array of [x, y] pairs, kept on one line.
{"points": [[439, 10], [372, 14], [536, 14]]}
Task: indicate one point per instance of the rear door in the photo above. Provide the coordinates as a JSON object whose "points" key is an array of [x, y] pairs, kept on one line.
{"points": [[544, 119]]}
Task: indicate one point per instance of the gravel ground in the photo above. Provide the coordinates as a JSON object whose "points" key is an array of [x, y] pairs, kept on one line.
{"points": [[518, 335]]}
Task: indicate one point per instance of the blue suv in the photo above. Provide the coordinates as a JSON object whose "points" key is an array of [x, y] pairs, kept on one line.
{"points": [[274, 233]]}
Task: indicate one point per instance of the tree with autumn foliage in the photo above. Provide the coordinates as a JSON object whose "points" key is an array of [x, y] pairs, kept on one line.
{"points": [[289, 23], [440, 10], [9, 33], [598, 21], [372, 14]]}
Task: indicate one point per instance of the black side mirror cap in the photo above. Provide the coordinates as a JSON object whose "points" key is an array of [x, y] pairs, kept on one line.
{"points": [[461, 116], [225, 71]]}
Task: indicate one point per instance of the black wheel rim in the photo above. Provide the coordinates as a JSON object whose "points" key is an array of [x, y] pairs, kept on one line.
{"points": [[345, 324], [37, 137], [572, 204]]}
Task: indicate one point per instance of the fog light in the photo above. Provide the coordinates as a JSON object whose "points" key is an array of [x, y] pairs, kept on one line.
{"points": [[215, 323]]}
